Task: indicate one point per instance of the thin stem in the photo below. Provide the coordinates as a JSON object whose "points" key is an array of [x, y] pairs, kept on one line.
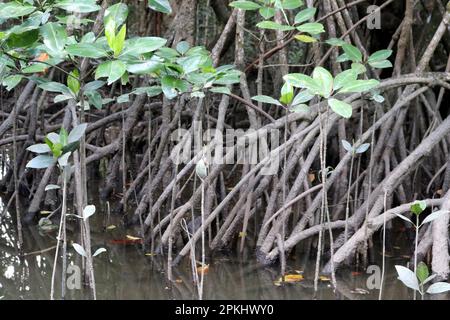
{"points": [[384, 247]]}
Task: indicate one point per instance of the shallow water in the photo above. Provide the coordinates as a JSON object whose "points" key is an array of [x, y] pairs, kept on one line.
{"points": [[126, 272]]}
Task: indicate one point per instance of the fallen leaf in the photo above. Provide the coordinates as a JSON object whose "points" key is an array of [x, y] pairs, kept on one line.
{"points": [[150, 254], [203, 269], [179, 281], [439, 192], [360, 291], [111, 227], [293, 278], [356, 273], [45, 212], [311, 177], [324, 278], [242, 234], [133, 238]]}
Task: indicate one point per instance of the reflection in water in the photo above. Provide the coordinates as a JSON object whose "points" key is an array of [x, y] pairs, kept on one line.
{"points": [[125, 272]]}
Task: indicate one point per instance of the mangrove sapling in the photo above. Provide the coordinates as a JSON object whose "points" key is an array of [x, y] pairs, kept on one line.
{"points": [[201, 170], [354, 151], [418, 280], [57, 149], [408, 277], [88, 211]]}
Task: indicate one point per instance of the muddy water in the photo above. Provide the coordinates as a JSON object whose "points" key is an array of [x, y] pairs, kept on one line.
{"points": [[127, 271]]}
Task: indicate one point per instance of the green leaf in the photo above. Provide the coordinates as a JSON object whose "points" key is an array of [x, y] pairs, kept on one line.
{"points": [[63, 136], [112, 70], [51, 187], [55, 38], [160, 5], [171, 84], [62, 97], [39, 148], [145, 67], [324, 78], [362, 148], [123, 98], [79, 249], [76, 133], [404, 218], [291, 4], [378, 98], [408, 277], [86, 50], [72, 81], [434, 215], [358, 68], [352, 52], [119, 41], [138, 46], [274, 26], [223, 90], [245, 5], [305, 15], [266, 12], [110, 33], [55, 87], [347, 146], [344, 78], [342, 58], [418, 207], [335, 42], [287, 94], [422, 272], [93, 85], [311, 28], [304, 38], [12, 81], [35, 67], [14, 9], [95, 99], [149, 91], [40, 162], [79, 6], [23, 39], [116, 14], [183, 47], [300, 80], [98, 251], [63, 157], [299, 108], [53, 137], [302, 97], [438, 287], [340, 107], [88, 211], [201, 169], [381, 64], [380, 55], [266, 99], [359, 86], [192, 63]]}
